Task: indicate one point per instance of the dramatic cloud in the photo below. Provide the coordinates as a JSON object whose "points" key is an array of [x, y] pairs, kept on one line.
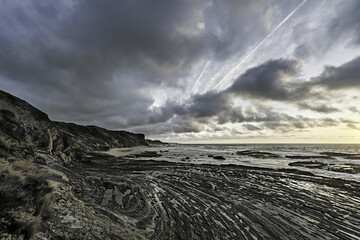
{"points": [[268, 80], [343, 77], [140, 65], [315, 38], [347, 23], [272, 80], [84, 56]]}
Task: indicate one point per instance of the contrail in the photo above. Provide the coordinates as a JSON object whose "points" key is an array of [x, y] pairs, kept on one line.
{"points": [[262, 42], [199, 77]]}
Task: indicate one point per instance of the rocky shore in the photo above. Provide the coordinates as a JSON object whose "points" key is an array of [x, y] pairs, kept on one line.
{"points": [[162, 200], [57, 182], [28, 141]]}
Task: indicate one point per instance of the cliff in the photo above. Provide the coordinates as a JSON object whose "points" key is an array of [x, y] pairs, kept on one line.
{"points": [[24, 129], [155, 142], [32, 150], [95, 138]]}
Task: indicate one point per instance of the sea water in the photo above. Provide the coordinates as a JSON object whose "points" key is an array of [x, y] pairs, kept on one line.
{"points": [[276, 156]]}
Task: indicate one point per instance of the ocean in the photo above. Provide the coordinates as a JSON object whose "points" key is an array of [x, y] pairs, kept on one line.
{"points": [[330, 160]]}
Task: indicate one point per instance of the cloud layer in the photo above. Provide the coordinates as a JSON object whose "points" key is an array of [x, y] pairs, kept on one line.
{"points": [[132, 64]]}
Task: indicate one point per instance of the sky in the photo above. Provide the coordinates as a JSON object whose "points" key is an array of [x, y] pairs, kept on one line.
{"points": [[190, 71]]}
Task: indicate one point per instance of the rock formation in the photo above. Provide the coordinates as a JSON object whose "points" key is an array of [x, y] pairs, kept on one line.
{"points": [[28, 136], [23, 126]]}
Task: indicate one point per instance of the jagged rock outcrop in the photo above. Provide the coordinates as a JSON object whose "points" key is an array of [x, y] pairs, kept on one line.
{"points": [[22, 123]]}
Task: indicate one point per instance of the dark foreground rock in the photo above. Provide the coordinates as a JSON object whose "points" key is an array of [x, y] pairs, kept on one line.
{"points": [[308, 157], [257, 154], [344, 167], [115, 198], [309, 164], [119, 198], [344, 155]]}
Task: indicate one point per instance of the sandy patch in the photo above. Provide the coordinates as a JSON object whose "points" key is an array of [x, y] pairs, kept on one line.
{"points": [[120, 152]]}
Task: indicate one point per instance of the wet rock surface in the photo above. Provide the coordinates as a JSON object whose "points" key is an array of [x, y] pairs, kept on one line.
{"points": [[345, 168], [219, 157], [344, 155], [257, 154], [309, 164], [308, 157], [163, 200]]}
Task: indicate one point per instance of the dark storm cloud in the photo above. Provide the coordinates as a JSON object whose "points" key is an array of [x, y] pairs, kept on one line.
{"points": [[347, 22], [267, 80], [272, 80], [175, 125], [96, 54], [209, 104], [83, 60], [95, 37], [254, 115], [100, 62], [343, 77], [317, 39]]}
